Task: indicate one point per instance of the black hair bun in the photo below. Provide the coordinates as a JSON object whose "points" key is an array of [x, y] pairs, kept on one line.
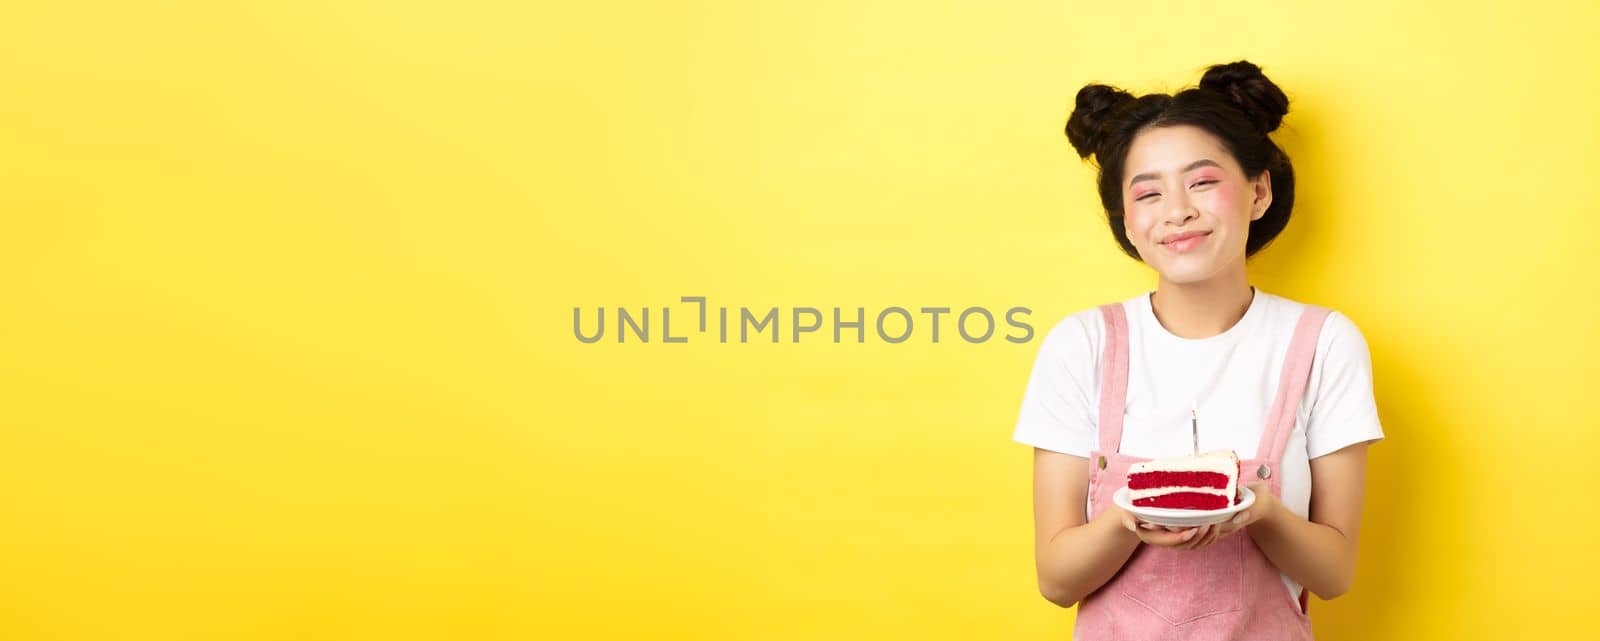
{"points": [[1246, 87], [1094, 106]]}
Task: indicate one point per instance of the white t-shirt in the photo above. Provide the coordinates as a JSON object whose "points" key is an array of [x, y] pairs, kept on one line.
{"points": [[1230, 379]]}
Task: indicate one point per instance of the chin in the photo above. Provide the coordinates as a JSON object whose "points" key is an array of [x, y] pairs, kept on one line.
{"points": [[1188, 274]]}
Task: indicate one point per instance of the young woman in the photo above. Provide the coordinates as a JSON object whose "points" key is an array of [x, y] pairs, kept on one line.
{"points": [[1193, 186]]}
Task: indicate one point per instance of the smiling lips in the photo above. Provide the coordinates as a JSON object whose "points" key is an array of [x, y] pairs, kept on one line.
{"points": [[1185, 241]]}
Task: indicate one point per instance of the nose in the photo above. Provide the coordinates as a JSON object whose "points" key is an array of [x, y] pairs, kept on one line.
{"points": [[1181, 211]]}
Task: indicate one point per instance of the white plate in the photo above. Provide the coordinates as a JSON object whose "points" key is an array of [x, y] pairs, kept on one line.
{"points": [[1183, 518]]}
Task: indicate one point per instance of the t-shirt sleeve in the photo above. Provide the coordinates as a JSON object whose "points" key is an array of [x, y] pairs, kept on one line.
{"points": [[1344, 411], [1058, 403]]}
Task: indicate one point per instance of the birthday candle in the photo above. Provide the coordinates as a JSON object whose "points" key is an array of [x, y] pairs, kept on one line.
{"points": [[1194, 426]]}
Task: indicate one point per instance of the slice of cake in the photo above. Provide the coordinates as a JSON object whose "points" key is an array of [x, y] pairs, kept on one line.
{"points": [[1208, 481]]}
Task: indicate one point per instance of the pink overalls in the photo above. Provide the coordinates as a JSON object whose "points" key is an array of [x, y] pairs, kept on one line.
{"points": [[1226, 590]]}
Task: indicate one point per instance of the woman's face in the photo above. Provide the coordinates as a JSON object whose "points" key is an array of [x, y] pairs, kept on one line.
{"points": [[1187, 203]]}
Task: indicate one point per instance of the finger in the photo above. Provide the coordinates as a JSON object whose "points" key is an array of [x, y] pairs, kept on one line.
{"points": [[1182, 539], [1196, 535], [1166, 539]]}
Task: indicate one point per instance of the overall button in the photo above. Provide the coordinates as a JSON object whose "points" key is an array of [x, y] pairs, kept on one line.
{"points": [[1264, 472], [1102, 462]]}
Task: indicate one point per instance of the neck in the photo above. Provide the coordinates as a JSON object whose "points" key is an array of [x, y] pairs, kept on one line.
{"points": [[1203, 309]]}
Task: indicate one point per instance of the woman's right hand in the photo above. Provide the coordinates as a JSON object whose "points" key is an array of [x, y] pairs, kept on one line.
{"points": [[1184, 538]]}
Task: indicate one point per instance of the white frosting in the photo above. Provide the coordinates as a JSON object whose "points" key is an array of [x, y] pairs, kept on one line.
{"points": [[1134, 495]]}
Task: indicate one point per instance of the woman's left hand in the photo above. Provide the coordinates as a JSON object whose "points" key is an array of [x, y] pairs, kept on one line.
{"points": [[1266, 505]]}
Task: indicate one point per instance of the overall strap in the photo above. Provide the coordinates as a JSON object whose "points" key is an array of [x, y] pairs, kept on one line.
{"points": [[1291, 386], [1113, 377]]}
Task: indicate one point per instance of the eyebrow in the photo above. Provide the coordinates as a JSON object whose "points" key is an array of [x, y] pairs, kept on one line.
{"points": [[1203, 162]]}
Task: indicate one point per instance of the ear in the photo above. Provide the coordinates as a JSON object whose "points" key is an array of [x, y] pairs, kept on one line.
{"points": [[1263, 195]]}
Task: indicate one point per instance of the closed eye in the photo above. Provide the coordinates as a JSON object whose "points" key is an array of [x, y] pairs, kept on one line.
{"points": [[1203, 182]]}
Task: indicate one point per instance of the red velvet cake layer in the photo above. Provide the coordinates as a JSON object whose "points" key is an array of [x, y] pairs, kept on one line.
{"points": [[1147, 480], [1186, 501]]}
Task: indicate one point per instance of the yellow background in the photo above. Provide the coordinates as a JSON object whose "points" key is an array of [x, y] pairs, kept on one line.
{"points": [[288, 293]]}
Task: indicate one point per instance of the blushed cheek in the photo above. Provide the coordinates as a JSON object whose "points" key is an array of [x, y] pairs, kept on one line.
{"points": [[1228, 197], [1136, 224]]}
